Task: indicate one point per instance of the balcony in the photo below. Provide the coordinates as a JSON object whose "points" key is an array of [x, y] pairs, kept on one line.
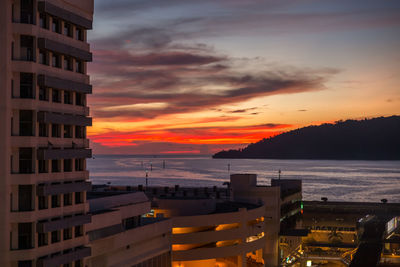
{"points": [[54, 82], [64, 258], [64, 49], [66, 153], [46, 7], [57, 189], [49, 226], [48, 117]]}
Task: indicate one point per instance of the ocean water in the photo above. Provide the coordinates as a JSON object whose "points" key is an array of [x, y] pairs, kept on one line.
{"points": [[335, 179]]}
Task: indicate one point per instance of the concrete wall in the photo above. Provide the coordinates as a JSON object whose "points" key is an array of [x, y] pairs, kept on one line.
{"points": [[244, 189], [5, 115]]}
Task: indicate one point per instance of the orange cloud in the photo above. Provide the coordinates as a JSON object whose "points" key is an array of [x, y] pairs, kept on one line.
{"points": [[190, 136]]}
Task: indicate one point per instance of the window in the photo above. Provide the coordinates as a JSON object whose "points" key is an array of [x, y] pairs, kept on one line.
{"points": [[68, 199], [26, 51], [78, 197], [130, 223], [27, 11], [78, 231], [55, 237], [67, 29], [25, 160], [56, 25], [43, 93], [56, 60], [55, 201], [55, 130], [56, 95], [26, 123], [55, 165], [25, 235], [26, 88], [79, 34], [67, 63], [43, 57], [67, 233], [79, 66], [25, 264], [67, 131], [67, 165], [25, 197], [79, 263], [43, 130], [79, 99], [43, 202], [79, 131], [42, 239], [67, 97], [43, 21], [79, 164], [43, 166]]}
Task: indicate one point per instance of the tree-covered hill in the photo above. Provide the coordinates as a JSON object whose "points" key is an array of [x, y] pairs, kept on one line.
{"points": [[369, 139]]}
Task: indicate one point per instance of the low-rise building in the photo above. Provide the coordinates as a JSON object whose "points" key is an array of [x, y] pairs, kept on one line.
{"points": [[238, 225], [121, 235]]}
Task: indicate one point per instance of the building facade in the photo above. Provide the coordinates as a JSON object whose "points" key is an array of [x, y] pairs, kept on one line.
{"points": [[121, 234], [43, 144]]}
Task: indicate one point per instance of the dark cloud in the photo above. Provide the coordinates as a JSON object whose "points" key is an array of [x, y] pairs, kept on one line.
{"points": [[242, 110], [186, 82], [390, 100], [144, 37], [302, 110], [172, 58]]}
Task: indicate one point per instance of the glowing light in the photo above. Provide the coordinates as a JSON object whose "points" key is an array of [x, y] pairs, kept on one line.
{"points": [[254, 237], [309, 263]]}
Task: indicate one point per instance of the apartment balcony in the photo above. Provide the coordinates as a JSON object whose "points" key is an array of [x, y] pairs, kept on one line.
{"points": [[63, 84], [32, 104], [37, 215], [64, 258], [51, 248], [47, 7], [57, 118], [56, 189], [33, 178], [33, 30], [66, 153], [32, 67], [61, 48], [49, 226], [34, 141]]}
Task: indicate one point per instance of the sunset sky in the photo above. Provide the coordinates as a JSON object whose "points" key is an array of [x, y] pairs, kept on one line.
{"points": [[186, 76]]}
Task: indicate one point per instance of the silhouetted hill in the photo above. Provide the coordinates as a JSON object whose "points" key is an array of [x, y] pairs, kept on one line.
{"points": [[369, 139]]}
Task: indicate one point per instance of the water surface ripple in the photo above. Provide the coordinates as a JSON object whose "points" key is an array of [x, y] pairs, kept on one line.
{"points": [[334, 179]]}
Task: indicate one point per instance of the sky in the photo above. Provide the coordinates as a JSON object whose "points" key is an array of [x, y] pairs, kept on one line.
{"points": [[196, 77]]}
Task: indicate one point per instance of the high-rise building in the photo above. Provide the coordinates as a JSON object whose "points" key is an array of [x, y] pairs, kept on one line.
{"points": [[43, 144]]}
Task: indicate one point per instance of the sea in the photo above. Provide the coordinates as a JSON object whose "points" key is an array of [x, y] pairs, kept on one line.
{"points": [[338, 180]]}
